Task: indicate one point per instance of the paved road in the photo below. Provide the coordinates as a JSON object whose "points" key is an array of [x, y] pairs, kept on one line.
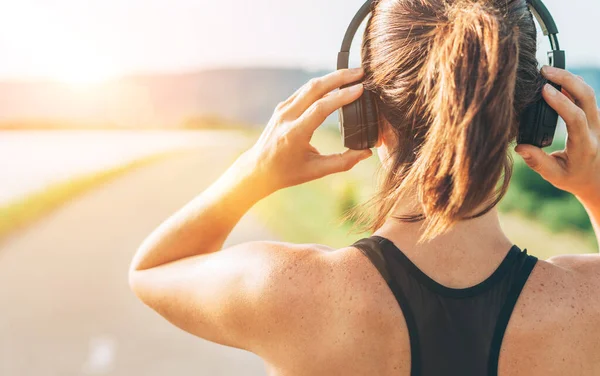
{"points": [[31, 160], [65, 306]]}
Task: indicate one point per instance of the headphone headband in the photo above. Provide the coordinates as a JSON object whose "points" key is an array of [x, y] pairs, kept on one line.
{"points": [[546, 21], [344, 55], [537, 8]]}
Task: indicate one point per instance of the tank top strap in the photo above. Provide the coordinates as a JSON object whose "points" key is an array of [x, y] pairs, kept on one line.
{"points": [[527, 264], [371, 248]]}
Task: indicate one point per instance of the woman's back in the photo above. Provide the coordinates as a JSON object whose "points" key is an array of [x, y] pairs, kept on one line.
{"points": [[347, 321]]}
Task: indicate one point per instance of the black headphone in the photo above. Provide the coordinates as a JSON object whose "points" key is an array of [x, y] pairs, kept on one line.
{"points": [[359, 120]]}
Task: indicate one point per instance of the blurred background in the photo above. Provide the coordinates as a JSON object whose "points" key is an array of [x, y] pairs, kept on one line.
{"points": [[114, 113]]}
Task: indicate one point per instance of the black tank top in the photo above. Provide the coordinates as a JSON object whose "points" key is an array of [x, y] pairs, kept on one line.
{"points": [[451, 331]]}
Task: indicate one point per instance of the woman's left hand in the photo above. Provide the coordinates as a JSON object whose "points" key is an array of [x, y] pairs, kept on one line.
{"points": [[283, 156]]}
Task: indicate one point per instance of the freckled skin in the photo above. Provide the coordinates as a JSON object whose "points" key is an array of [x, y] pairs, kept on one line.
{"points": [[350, 323]]}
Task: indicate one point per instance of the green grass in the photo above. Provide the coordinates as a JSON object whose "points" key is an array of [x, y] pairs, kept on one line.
{"points": [[307, 213], [24, 211], [534, 214]]}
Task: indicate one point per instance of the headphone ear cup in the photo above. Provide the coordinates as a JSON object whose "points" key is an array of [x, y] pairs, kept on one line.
{"points": [[370, 125], [538, 125], [359, 122], [350, 121]]}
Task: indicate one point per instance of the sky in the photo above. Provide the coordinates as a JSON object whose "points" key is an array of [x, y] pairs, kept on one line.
{"points": [[75, 40]]}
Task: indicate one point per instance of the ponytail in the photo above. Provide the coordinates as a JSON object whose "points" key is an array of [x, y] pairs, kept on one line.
{"points": [[452, 78], [468, 82]]}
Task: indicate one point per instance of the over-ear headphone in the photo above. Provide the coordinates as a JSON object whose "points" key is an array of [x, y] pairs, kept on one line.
{"points": [[359, 120]]}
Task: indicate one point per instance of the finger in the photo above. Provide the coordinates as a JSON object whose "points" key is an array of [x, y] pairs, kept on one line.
{"points": [[312, 118], [316, 88], [583, 93], [334, 163], [542, 163], [574, 116], [566, 93], [282, 106], [591, 123]]}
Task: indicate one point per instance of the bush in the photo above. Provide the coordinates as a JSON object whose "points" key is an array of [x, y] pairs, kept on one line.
{"points": [[521, 200], [563, 214]]}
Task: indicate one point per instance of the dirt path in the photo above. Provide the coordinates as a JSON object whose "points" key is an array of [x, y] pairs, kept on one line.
{"points": [[65, 305]]}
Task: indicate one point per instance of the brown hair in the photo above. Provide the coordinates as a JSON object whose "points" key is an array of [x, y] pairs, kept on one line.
{"points": [[452, 78]]}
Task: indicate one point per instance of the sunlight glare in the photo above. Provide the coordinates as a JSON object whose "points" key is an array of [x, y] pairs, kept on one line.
{"points": [[83, 71], [59, 51]]}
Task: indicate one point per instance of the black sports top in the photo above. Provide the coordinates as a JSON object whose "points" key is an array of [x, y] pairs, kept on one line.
{"points": [[451, 331]]}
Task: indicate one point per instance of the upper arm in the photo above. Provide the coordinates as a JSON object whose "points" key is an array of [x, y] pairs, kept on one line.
{"points": [[228, 297]]}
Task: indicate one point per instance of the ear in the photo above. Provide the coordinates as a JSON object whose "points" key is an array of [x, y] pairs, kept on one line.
{"points": [[383, 133]]}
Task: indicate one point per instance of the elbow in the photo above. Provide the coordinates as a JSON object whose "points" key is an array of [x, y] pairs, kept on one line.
{"points": [[141, 276], [138, 284], [134, 281], [145, 289], [135, 278], [132, 275], [135, 269]]}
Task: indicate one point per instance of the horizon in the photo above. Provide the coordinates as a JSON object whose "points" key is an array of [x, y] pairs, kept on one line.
{"points": [[200, 69]]}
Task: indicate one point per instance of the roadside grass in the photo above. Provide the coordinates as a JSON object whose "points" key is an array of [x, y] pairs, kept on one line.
{"points": [[307, 214], [32, 207], [546, 223]]}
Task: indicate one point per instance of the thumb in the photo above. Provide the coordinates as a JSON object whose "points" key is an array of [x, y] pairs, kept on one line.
{"points": [[343, 161], [537, 159]]}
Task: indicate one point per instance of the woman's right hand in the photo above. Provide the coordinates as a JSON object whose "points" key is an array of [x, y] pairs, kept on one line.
{"points": [[576, 169]]}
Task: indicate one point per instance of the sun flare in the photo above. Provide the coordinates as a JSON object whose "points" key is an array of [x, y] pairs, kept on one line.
{"points": [[58, 50], [80, 63], [83, 73]]}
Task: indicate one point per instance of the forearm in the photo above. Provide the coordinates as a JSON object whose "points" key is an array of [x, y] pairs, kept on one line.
{"points": [[203, 225], [592, 205]]}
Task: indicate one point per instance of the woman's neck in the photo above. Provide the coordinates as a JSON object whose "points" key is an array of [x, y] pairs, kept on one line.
{"points": [[465, 255]]}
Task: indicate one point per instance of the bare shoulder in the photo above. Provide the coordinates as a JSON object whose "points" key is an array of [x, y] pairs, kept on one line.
{"points": [[292, 281], [294, 290], [297, 274], [556, 318], [302, 279], [290, 269], [577, 275], [564, 289], [314, 290], [583, 270], [586, 265]]}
